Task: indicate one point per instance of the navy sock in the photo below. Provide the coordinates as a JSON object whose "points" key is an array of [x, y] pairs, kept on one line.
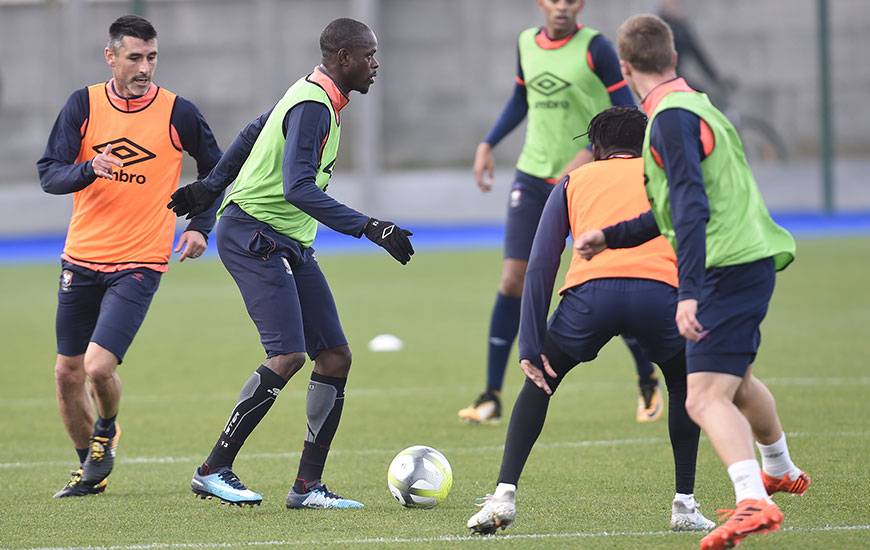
{"points": [[324, 404], [255, 400], [83, 455], [503, 328], [105, 427], [530, 411], [683, 432], [645, 369]]}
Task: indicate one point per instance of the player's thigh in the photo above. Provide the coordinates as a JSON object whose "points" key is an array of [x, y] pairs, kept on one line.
{"points": [[265, 278], [649, 317], [79, 296], [128, 296], [584, 321], [525, 204], [319, 313], [733, 303]]}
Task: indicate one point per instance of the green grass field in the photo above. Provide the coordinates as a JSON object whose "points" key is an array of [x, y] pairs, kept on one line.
{"points": [[596, 479]]}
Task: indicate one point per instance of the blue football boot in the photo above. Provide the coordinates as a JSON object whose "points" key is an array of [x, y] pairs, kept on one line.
{"points": [[319, 497], [224, 485]]}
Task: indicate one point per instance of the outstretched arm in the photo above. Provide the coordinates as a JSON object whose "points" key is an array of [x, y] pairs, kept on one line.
{"points": [[197, 139], [307, 128], [546, 254]]}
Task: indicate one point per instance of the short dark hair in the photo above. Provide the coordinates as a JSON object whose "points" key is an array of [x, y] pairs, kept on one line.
{"points": [[130, 25], [646, 42], [618, 129], [343, 33]]}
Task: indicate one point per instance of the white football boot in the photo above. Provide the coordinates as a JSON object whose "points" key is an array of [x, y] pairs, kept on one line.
{"points": [[688, 517], [496, 512]]}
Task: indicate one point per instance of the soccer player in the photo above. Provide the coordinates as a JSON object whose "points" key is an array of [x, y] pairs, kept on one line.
{"points": [[281, 164], [628, 292], [566, 74], [117, 147], [706, 202]]}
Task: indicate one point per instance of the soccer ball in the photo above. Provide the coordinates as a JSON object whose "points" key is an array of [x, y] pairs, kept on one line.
{"points": [[419, 477]]}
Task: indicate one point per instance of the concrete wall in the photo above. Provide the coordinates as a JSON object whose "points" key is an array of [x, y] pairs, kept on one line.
{"points": [[447, 66]]}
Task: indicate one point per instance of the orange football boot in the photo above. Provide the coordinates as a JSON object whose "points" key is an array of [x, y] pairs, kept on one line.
{"points": [[752, 516], [786, 484]]}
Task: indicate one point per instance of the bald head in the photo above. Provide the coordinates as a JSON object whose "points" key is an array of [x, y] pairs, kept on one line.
{"points": [[344, 33]]}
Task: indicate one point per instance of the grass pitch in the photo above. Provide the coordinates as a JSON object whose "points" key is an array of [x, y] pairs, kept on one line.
{"points": [[596, 479]]}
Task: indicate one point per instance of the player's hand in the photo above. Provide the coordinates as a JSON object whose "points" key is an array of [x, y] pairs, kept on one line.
{"points": [[590, 243], [102, 164], [484, 167], [192, 199], [687, 323], [391, 238], [536, 375], [191, 244]]}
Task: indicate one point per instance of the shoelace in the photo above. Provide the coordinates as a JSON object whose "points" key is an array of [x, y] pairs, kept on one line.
{"points": [[98, 448], [232, 480], [326, 492], [737, 514], [75, 478], [480, 502]]}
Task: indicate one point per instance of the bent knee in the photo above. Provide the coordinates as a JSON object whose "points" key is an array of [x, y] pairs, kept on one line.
{"points": [[696, 406], [513, 275], [69, 370], [287, 365], [334, 362]]}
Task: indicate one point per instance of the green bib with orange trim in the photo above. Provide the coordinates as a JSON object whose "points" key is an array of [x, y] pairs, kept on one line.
{"points": [[740, 229], [563, 95], [259, 187]]}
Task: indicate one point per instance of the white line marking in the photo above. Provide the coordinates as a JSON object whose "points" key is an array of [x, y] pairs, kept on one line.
{"points": [[135, 460], [442, 538]]}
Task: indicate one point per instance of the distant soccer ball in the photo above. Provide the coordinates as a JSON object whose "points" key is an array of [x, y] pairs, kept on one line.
{"points": [[419, 477]]}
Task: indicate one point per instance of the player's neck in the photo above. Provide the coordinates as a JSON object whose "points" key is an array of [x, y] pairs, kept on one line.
{"points": [[344, 89], [644, 83], [558, 34]]}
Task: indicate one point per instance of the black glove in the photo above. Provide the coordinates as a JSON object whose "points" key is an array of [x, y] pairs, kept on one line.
{"points": [[391, 238], [193, 199]]}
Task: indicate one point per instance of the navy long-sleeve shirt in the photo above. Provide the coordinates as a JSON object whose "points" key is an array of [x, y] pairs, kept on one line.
{"points": [[305, 126], [553, 228], [676, 138], [59, 174], [605, 64]]}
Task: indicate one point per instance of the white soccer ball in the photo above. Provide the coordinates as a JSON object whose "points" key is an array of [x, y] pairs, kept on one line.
{"points": [[420, 477]]}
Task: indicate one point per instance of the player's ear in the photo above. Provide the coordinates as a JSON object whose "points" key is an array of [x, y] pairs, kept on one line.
{"points": [[625, 67], [109, 55], [343, 57]]}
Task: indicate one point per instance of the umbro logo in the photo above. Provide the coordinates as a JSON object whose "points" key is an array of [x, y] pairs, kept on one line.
{"points": [[388, 231], [547, 84], [127, 150]]}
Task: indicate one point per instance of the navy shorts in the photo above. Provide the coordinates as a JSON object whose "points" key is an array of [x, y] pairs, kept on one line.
{"points": [[589, 315], [284, 290], [525, 205], [733, 303], [105, 308]]}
